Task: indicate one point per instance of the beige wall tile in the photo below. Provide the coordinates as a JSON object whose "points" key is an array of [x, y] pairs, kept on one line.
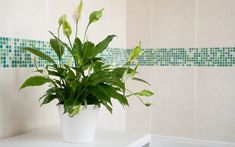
{"points": [[21, 111], [137, 115], [215, 102], [117, 19], [114, 121], [216, 23], [138, 23], [24, 19], [173, 23], [173, 111]]}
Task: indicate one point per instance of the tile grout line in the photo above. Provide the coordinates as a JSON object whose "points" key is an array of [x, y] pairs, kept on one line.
{"points": [[151, 42], [195, 72]]}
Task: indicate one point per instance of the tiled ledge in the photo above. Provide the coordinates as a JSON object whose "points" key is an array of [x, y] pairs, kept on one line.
{"points": [[11, 55]]}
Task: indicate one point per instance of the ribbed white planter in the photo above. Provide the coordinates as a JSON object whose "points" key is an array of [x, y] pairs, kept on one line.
{"points": [[81, 127]]}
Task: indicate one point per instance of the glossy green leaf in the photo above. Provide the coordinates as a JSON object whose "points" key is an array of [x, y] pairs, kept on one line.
{"points": [[77, 51], [97, 78], [109, 90], [109, 108], [39, 54], [103, 44], [88, 49], [148, 104], [145, 93], [134, 53], [97, 91], [71, 107], [62, 43], [141, 80], [95, 16], [34, 81], [57, 47], [75, 110], [47, 99]]}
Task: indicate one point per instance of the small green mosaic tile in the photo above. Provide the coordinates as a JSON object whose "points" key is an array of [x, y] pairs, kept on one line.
{"points": [[12, 55]]}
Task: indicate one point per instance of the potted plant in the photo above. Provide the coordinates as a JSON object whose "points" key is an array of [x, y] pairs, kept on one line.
{"points": [[82, 86]]}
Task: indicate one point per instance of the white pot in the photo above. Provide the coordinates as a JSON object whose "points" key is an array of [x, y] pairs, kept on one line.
{"points": [[81, 127]]}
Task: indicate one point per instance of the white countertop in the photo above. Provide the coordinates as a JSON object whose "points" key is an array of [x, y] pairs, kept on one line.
{"points": [[51, 137]]}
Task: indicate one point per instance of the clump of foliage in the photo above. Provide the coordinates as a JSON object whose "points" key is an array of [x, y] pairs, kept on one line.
{"points": [[89, 80]]}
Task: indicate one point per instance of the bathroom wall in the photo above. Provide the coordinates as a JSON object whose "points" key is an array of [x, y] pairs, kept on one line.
{"points": [[193, 95], [193, 99], [20, 111]]}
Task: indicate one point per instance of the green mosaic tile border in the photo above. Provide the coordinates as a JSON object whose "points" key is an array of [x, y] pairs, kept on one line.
{"points": [[11, 55]]}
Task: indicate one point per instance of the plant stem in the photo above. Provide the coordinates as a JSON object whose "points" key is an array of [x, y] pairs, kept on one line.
{"points": [[132, 93], [76, 32], [69, 42], [85, 32], [58, 31]]}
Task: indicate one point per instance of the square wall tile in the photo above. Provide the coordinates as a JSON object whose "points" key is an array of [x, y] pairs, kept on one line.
{"points": [[21, 111], [173, 23], [215, 119], [216, 23], [173, 109], [117, 9], [137, 114], [24, 19], [138, 23]]}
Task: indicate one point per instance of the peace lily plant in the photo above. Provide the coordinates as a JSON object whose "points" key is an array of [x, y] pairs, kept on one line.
{"points": [[88, 80]]}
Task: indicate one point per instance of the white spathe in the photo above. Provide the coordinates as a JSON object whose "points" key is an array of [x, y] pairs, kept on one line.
{"points": [[81, 127]]}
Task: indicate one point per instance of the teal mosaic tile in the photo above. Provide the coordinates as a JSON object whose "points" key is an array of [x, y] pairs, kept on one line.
{"points": [[12, 55]]}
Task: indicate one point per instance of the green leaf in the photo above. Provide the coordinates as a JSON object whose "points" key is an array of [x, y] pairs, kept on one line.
{"points": [[74, 111], [117, 82], [51, 91], [57, 47], [48, 99], [120, 71], [109, 108], [71, 107], [54, 73], [95, 16], [148, 104], [88, 49], [110, 91], [141, 80], [77, 50], [34, 81], [64, 44], [97, 78], [100, 93], [70, 77], [40, 54], [145, 93], [103, 44], [134, 53]]}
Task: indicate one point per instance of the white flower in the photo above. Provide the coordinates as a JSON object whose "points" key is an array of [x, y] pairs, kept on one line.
{"points": [[78, 12]]}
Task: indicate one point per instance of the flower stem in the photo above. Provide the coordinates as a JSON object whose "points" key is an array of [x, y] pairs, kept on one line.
{"points": [[58, 31], [76, 32], [85, 33]]}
